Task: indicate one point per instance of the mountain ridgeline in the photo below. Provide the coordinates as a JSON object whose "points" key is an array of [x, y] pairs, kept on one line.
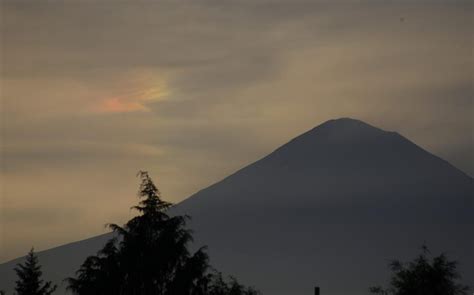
{"points": [[329, 208]]}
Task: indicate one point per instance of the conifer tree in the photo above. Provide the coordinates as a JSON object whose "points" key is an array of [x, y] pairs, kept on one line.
{"points": [[154, 247], [99, 274], [148, 256], [29, 278]]}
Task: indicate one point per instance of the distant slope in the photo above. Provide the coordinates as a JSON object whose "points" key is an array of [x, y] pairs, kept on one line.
{"points": [[328, 208], [57, 263]]}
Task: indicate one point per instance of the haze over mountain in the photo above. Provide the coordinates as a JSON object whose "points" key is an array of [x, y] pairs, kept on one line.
{"points": [[329, 208]]}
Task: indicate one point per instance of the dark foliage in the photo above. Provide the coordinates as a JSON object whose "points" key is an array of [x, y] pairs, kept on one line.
{"points": [[99, 274], [29, 278], [150, 256], [220, 286], [423, 276]]}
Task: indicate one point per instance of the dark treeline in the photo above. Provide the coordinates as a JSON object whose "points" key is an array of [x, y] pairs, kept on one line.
{"points": [[149, 255]]}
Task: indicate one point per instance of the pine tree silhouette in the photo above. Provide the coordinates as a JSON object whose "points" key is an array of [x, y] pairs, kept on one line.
{"points": [[149, 256], [29, 274], [436, 276], [99, 274]]}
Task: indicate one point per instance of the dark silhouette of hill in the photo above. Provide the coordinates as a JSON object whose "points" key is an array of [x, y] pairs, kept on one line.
{"points": [[329, 208]]}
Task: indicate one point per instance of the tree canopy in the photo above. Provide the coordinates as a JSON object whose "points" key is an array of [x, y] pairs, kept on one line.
{"points": [[424, 275], [150, 255], [29, 278]]}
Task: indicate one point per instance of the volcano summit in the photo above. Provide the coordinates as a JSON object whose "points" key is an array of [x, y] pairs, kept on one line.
{"points": [[328, 208]]}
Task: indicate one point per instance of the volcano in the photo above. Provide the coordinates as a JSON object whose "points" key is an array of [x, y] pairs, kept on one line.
{"points": [[330, 208]]}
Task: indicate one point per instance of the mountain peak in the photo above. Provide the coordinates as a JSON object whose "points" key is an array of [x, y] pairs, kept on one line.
{"points": [[344, 120], [347, 125], [335, 193], [348, 146], [343, 130]]}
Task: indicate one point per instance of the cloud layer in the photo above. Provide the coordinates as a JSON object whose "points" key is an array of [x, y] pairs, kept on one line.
{"points": [[191, 91]]}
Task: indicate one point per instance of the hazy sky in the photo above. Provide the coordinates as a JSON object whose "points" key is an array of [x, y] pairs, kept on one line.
{"points": [[93, 91]]}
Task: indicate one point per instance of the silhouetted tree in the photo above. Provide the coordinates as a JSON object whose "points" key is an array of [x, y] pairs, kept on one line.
{"points": [[149, 256], [422, 276], [220, 286], [29, 278], [99, 274]]}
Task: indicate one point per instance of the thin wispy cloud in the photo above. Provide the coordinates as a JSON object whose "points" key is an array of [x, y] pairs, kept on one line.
{"points": [[138, 93], [191, 91]]}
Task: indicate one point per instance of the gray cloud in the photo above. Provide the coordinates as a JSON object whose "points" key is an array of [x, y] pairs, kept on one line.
{"points": [[209, 86]]}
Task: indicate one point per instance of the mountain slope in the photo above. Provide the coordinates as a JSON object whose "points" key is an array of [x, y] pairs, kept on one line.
{"points": [[328, 208]]}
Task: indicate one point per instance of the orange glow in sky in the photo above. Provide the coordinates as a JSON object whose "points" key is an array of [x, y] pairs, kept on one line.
{"points": [[141, 92], [115, 105]]}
